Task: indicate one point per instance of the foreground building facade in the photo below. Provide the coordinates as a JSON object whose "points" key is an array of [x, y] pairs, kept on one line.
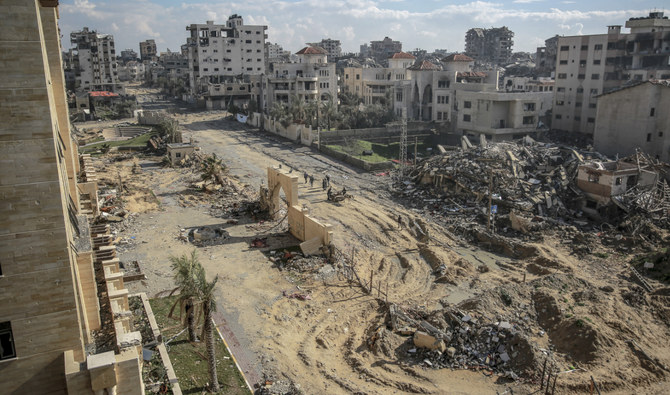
{"points": [[49, 305]]}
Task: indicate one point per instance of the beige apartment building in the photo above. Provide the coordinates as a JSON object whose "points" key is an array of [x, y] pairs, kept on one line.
{"points": [[590, 65], [310, 78], [634, 117], [375, 84], [49, 305]]}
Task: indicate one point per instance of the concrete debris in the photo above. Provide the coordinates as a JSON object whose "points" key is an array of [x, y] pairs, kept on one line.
{"points": [[533, 187]]}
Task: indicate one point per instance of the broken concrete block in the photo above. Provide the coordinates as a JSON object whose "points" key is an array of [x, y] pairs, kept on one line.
{"points": [[451, 351], [505, 325], [424, 340], [504, 357]]}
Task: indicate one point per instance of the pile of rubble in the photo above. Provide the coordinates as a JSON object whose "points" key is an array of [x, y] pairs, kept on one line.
{"points": [[459, 340], [531, 186]]}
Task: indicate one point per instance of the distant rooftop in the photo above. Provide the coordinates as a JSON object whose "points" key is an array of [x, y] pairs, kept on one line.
{"points": [[458, 57], [312, 51], [402, 55], [425, 65]]}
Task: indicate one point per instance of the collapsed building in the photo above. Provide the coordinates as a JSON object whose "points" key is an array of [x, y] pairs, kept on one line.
{"points": [[543, 183]]}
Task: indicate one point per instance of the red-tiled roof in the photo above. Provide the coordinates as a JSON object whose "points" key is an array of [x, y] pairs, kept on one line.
{"points": [[402, 55], [312, 51], [102, 94], [425, 65], [458, 57]]}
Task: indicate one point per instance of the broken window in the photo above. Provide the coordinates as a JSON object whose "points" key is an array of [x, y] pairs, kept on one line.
{"points": [[597, 47], [563, 62], [565, 47], [398, 96], [530, 106], [651, 113], [648, 136], [7, 350], [467, 104], [558, 116], [178, 155], [595, 76], [590, 120], [443, 84], [466, 117], [618, 181], [594, 177], [529, 120], [562, 76], [596, 61]]}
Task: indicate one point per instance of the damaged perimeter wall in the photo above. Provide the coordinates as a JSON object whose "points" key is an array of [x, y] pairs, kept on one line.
{"points": [[300, 223]]}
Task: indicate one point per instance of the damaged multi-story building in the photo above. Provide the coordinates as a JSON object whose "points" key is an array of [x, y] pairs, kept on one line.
{"points": [[49, 300], [381, 49], [545, 57], [590, 65], [225, 56], [333, 47], [490, 45], [92, 64], [148, 50]]}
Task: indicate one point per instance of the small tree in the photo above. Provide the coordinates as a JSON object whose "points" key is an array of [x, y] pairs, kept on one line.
{"points": [[205, 292], [185, 277]]}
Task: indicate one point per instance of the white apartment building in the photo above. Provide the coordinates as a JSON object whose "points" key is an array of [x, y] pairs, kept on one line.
{"points": [[587, 66], [310, 78], [93, 62], [219, 52]]}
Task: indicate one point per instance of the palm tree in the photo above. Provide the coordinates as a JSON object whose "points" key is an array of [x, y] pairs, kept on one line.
{"points": [[184, 269], [329, 109], [205, 291], [297, 108]]}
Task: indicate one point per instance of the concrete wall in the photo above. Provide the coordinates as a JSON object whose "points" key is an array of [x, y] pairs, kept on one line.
{"points": [[624, 121]]}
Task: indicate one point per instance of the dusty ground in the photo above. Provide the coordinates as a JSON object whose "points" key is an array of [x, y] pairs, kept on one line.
{"points": [[321, 343]]}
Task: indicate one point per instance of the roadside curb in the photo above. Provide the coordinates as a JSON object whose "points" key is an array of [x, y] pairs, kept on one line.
{"points": [[244, 377]]}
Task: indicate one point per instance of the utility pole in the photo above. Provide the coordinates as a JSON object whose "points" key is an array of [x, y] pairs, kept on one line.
{"points": [[416, 144], [403, 144]]}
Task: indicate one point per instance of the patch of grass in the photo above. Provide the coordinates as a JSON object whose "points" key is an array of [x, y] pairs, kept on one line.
{"points": [[380, 152], [189, 359], [601, 254], [137, 141]]}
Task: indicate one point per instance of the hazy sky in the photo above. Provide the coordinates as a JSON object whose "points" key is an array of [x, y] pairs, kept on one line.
{"points": [[427, 24]]}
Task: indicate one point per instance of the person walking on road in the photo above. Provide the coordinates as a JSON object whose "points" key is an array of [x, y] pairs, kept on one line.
{"points": [[311, 181], [306, 176]]}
